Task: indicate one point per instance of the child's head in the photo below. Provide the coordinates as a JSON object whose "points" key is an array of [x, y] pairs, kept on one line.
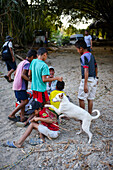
{"points": [[86, 32], [81, 46], [36, 107], [42, 52], [52, 71], [31, 54], [60, 85]]}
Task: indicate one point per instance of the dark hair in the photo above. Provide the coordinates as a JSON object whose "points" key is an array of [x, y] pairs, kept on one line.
{"points": [[81, 43], [41, 51], [60, 85], [31, 53]]}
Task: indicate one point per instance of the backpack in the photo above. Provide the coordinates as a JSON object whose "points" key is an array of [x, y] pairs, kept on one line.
{"points": [[6, 55]]}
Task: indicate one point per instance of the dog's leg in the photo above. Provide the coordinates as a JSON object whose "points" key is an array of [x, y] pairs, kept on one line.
{"points": [[79, 132], [60, 118], [85, 127], [55, 109]]}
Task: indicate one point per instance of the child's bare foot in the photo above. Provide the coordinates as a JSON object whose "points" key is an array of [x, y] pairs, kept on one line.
{"points": [[17, 145]]}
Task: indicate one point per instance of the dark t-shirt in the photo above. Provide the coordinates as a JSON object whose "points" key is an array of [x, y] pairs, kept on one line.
{"points": [[88, 61]]}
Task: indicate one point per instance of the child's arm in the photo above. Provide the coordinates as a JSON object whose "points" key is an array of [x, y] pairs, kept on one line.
{"points": [[30, 74], [23, 75], [96, 71], [11, 51], [47, 120], [47, 79], [29, 119], [85, 80]]}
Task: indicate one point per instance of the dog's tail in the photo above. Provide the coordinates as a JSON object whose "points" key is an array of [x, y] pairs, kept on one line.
{"points": [[98, 114]]}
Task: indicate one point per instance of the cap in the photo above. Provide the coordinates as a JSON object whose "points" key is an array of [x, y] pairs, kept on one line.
{"points": [[8, 38], [35, 105], [51, 67]]}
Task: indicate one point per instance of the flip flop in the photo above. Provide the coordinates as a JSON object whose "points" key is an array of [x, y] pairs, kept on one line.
{"points": [[6, 77], [35, 141], [13, 119], [10, 80], [20, 124], [11, 144]]}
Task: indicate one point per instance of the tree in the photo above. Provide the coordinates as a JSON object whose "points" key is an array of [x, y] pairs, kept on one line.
{"points": [[93, 9]]}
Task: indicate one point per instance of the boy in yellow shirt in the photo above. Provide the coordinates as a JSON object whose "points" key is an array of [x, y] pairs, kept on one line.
{"points": [[59, 89]]}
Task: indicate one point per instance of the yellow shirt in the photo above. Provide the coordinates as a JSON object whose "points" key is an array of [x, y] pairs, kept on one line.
{"points": [[52, 95]]}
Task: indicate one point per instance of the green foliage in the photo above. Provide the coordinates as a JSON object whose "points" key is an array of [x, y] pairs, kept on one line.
{"points": [[70, 30], [22, 21], [65, 40]]}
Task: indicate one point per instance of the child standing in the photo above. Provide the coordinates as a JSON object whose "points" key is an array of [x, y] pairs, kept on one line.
{"points": [[20, 85], [38, 72], [88, 83], [88, 40]]}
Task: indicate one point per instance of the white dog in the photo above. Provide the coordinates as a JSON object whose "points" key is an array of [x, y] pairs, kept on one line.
{"points": [[72, 111]]}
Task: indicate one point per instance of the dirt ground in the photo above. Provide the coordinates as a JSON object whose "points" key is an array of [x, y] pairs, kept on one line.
{"points": [[68, 151]]}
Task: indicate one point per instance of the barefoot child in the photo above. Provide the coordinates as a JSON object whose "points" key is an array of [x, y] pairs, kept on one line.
{"points": [[48, 126]]}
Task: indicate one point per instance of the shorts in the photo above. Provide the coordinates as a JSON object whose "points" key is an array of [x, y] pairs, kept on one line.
{"points": [[41, 97], [10, 65], [47, 132], [21, 95], [92, 86]]}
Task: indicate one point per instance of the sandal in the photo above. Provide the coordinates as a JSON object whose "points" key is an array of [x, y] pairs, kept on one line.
{"points": [[6, 77], [20, 124], [11, 144], [10, 80], [35, 141], [13, 119]]}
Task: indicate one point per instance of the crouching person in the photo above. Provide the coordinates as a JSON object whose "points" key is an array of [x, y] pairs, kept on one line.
{"points": [[48, 126]]}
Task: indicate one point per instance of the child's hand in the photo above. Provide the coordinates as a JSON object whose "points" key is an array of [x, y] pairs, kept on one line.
{"points": [[85, 88], [34, 119]]}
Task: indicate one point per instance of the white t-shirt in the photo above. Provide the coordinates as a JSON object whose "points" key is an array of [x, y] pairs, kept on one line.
{"points": [[88, 39], [10, 45]]}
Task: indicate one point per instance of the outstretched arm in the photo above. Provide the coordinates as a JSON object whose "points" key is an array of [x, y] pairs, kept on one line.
{"points": [[48, 79]]}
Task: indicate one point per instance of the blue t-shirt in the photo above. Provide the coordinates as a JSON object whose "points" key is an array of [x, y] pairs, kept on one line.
{"points": [[88, 61], [38, 68]]}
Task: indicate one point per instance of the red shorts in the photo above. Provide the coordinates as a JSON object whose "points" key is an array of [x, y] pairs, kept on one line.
{"points": [[41, 97]]}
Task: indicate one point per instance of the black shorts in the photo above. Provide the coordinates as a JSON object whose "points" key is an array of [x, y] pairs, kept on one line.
{"points": [[21, 95], [10, 65]]}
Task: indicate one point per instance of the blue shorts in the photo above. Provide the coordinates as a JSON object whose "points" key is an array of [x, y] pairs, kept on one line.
{"points": [[10, 65], [21, 95]]}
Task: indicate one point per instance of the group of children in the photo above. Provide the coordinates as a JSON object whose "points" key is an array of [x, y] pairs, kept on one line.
{"points": [[35, 69]]}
